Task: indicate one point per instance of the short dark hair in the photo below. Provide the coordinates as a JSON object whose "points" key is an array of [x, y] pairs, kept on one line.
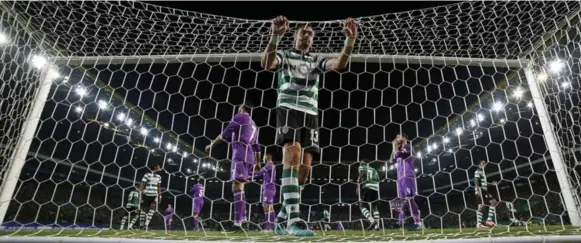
{"points": [[155, 165], [247, 106], [302, 27]]}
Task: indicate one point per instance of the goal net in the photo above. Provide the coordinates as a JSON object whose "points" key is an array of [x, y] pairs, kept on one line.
{"points": [[95, 93]]}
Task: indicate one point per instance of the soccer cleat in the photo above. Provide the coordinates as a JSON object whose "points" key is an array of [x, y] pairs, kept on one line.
{"points": [[373, 225], [279, 230], [490, 223]]}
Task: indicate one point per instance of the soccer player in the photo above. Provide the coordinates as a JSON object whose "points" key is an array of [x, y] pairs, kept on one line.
{"points": [[268, 174], [168, 216], [406, 179], [151, 194], [197, 203], [369, 195], [132, 206], [484, 197], [326, 219], [297, 124], [242, 134]]}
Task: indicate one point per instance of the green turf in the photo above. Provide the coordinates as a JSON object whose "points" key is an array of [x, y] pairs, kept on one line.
{"points": [[387, 235]]}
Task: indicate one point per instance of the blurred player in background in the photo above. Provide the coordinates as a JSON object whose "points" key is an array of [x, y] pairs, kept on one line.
{"points": [[132, 206], [197, 203], [406, 179], [168, 216], [484, 196], [369, 194], [243, 136], [268, 175], [326, 220], [150, 194], [297, 110]]}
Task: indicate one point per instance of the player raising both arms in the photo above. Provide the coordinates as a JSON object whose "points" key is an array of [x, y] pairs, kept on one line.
{"points": [[484, 197], [268, 175], [197, 203], [369, 195], [299, 75], [406, 179], [242, 134]]}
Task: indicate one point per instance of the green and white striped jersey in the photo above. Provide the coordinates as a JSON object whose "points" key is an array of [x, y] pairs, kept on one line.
{"points": [[480, 179], [370, 177], [298, 80], [326, 215], [152, 181], [133, 199]]}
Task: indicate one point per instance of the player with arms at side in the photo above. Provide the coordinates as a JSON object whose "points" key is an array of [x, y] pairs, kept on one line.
{"points": [[406, 179], [168, 216], [132, 206], [151, 194], [326, 219], [197, 203], [243, 136], [268, 175], [369, 195], [484, 196], [299, 75]]}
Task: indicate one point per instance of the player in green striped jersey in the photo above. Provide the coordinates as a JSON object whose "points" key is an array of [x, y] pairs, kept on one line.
{"points": [[299, 74], [484, 196], [368, 191], [132, 206]]}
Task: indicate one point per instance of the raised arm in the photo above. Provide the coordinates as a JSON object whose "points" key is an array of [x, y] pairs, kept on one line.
{"points": [[279, 27], [340, 62]]}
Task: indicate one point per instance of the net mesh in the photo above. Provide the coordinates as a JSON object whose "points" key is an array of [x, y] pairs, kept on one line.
{"points": [[104, 124]]}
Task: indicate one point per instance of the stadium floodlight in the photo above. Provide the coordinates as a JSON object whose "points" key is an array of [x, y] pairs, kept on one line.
{"points": [[121, 116], [78, 109], [38, 61], [565, 85], [174, 148], [458, 131], [556, 66], [53, 74], [156, 140], [542, 77], [129, 122], [480, 117], [450, 150], [185, 155], [103, 104], [530, 105], [143, 131], [106, 125], [416, 170], [446, 140], [4, 39], [518, 93], [195, 160], [497, 106], [188, 170], [419, 154], [502, 120], [168, 146], [434, 146], [429, 148], [472, 123], [391, 167], [81, 91]]}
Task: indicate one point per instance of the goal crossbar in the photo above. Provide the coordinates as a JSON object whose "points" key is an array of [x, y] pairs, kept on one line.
{"points": [[255, 57]]}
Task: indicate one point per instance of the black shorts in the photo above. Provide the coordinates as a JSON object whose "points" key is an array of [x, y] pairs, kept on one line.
{"points": [[485, 197], [369, 196], [148, 200], [297, 126]]}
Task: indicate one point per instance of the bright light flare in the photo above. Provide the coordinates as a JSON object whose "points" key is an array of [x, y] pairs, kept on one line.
{"points": [[480, 117], [434, 146], [121, 116], [472, 123], [81, 91], [566, 85], [4, 38], [497, 106], [518, 93], [106, 125], [556, 66], [502, 120], [129, 122], [38, 61], [416, 170], [143, 131], [419, 154], [530, 105], [52, 74], [78, 109], [185, 155], [103, 104], [459, 131], [446, 140], [156, 140]]}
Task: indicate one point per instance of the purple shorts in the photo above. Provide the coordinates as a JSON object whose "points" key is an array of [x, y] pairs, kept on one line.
{"points": [[268, 196], [239, 171], [197, 206], [406, 187], [168, 218]]}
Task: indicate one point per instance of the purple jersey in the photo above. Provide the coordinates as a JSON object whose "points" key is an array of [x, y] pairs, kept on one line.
{"points": [[242, 134], [405, 162], [268, 175], [197, 191], [169, 212]]}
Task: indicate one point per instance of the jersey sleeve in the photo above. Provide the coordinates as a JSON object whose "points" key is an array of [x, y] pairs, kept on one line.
{"points": [[322, 63], [233, 127], [280, 57], [477, 179], [145, 178], [403, 152]]}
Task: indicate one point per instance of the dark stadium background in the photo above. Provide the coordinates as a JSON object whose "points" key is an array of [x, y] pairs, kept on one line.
{"points": [[361, 112]]}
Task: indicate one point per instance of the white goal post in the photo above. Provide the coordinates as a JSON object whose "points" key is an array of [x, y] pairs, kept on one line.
{"points": [[522, 57]]}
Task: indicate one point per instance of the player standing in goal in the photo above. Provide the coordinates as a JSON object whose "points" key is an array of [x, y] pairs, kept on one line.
{"points": [[168, 216], [242, 134], [484, 197], [369, 195], [151, 194], [132, 206], [406, 179], [197, 203], [268, 174], [326, 220], [297, 108]]}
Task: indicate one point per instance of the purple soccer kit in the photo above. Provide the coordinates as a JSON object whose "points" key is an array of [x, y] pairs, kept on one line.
{"points": [[406, 182], [197, 203], [242, 135], [268, 175], [168, 215]]}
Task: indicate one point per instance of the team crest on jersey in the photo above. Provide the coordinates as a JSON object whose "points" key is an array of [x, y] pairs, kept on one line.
{"points": [[304, 68], [284, 129]]}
